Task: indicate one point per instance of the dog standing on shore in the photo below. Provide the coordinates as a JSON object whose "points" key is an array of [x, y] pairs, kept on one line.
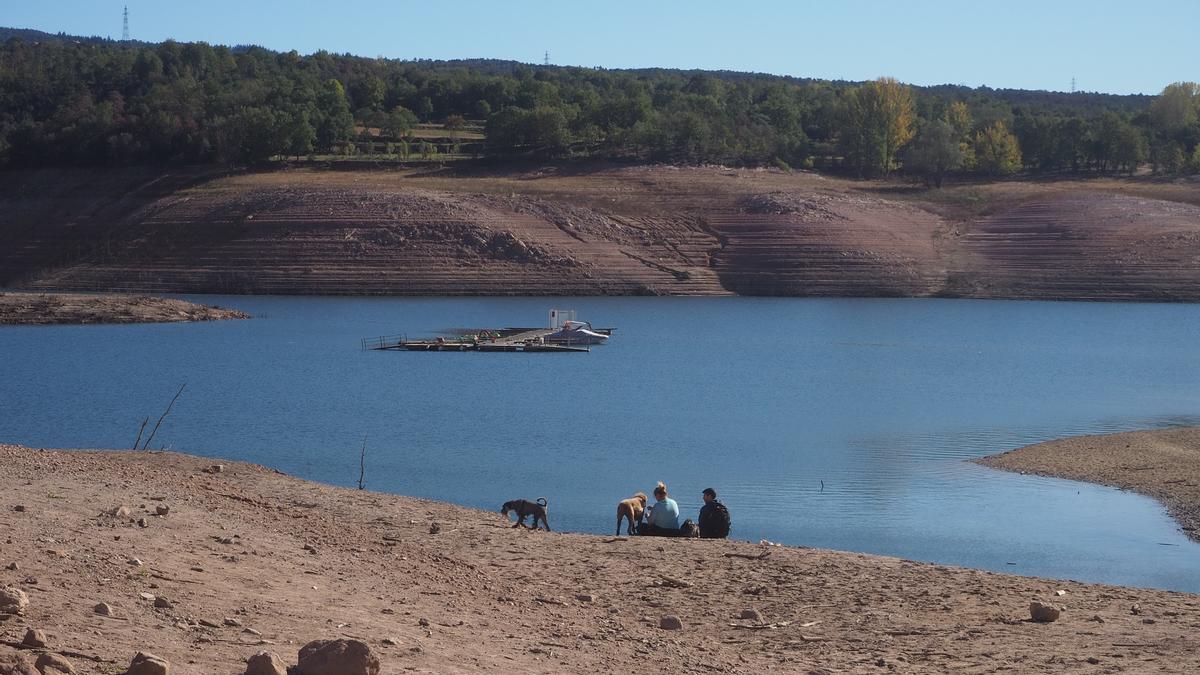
{"points": [[524, 508], [631, 508]]}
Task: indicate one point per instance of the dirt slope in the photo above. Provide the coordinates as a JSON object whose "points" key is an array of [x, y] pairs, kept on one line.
{"points": [[595, 229], [478, 596]]}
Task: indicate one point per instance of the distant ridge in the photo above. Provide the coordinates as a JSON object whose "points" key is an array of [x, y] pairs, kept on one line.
{"points": [[31, 35], [1127, 103]]}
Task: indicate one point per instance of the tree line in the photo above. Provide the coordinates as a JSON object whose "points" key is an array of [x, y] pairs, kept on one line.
{"points": [[110, 103]]}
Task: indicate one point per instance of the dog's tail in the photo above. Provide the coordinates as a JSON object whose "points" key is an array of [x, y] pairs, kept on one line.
{"points": [[542, 501]]}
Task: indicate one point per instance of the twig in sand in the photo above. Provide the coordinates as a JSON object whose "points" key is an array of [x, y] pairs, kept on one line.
{"points": [[140, 430], [75, 655], [761, 626], [164, 416], [748, 556], [362, 462]]}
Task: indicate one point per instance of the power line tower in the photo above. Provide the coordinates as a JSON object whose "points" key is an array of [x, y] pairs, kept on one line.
{"points": [[1072, 85], [125, 25], [546, 59]]}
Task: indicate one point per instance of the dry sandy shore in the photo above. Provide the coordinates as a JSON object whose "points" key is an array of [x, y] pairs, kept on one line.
{"points": [[47, 308], [230, 558], [1161, 464]]}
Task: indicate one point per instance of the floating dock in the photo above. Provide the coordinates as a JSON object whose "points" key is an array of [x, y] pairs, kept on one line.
{"points": [[540, 340]]}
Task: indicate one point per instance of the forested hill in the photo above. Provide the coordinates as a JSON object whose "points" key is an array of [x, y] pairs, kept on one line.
{"points": [[31, 35], [71, 101]]}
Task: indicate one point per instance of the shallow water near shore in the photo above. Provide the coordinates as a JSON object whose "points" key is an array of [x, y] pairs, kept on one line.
{"points": [[839, 423]]}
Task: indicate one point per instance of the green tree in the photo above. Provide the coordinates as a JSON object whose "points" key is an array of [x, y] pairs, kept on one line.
{"points": [[454, 124], [877, 121], [334, 124], [399, 122], [1176, 108], [934, 152], [996, 150]]}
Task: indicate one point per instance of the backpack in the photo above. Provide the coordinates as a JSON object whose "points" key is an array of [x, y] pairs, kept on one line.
{"points": [[722, 523]]}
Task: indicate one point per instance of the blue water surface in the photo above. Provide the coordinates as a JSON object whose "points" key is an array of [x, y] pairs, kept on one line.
{"points": [[840, 423]]}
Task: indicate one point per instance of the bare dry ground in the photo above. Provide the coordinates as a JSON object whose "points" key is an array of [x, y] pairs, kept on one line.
{"points": [[47, 308], [595, 228], [249, 559], [1163, 464]]}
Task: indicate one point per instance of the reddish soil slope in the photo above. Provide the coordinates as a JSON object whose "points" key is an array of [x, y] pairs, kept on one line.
{"points": [[595, 229], [1085, 245]]}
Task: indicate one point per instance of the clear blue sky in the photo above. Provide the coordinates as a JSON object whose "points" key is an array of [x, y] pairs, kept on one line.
{"points": [[1107, 45]]}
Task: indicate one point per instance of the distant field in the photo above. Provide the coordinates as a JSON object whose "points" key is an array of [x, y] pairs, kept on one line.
{"points": [[434, 131]]}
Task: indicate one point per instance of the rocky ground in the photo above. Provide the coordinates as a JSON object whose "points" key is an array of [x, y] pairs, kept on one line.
{"points": [[47, 308], [1163, 464], [205, 567]]}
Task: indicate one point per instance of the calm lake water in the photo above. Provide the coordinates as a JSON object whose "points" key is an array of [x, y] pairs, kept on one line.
{"points": [[833, 423]]}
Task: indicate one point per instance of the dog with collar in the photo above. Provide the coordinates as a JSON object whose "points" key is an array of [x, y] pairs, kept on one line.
{"points": [[524, 508]]}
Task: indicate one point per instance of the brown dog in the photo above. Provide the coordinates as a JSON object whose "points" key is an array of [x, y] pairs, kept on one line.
{"points": [[632, 509]]}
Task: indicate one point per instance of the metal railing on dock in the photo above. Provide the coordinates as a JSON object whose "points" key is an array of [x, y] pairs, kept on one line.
{"points": [[384, 342]]}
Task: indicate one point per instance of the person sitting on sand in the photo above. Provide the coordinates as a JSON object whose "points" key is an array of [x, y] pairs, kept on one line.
{"points": [[663, 520], [714, 517]]}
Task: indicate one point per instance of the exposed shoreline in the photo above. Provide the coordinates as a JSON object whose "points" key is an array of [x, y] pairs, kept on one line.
{"points": [[594, 228], [28, 308], [1163, 464], [294, 561]]}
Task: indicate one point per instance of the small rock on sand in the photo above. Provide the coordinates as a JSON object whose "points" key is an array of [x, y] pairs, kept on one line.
{"points": [[148, 597], [390, 641], [230, 621], [265, 663], [145, 663], [162, 603], [13, 601], [19, 508], [670, 622], [162, 509], [34, 638], [104, 609], [121, 511], [53, 664], [12, 566], [434, 528], [337, 657], [750, 615], [1044, 612], [585, 597]]}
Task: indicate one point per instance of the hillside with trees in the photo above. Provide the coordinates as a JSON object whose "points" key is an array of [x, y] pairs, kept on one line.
{"points": [[96, 102]]}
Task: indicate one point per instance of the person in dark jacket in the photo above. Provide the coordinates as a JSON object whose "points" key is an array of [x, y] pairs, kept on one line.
{"points": [[714, 517]]}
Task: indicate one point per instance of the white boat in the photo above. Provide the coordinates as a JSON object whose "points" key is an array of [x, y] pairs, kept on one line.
{"points": [[576, 333]]}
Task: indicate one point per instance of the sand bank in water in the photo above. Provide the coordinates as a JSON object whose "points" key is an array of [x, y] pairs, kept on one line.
{"points": [[1162, 464], [48, 308]]}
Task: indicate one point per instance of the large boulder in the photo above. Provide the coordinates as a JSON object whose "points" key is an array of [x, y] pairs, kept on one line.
{"points": [[145, 663], [13, 600], [337, 657], [1044, 612], [265, 663], [34, 638], [53, 664]]}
